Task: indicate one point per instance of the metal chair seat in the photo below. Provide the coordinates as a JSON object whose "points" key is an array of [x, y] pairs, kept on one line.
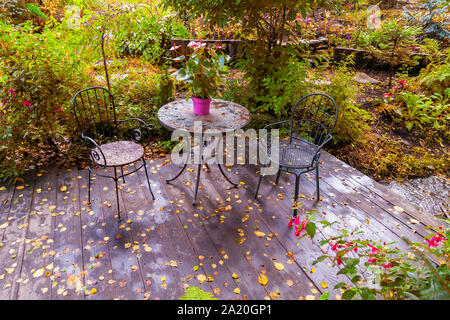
{"points": [[295, 155], [118, 153]]}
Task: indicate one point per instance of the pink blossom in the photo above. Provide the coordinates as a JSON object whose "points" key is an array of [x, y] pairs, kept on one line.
{"points": [[27, 103], [374, 249], [307, 20], [387, 266], [300, 227], [388, 95], [373, 260], [396, 87], [194, 44], [11, 91]]}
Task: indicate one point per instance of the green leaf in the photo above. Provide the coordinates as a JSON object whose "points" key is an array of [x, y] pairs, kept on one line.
{"points": [[311, 229], [194, 293], [319, 259], [325, 296], [349, 294]]}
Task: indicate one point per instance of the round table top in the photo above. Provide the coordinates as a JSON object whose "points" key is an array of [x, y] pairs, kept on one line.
{"points": [[223, 116]]}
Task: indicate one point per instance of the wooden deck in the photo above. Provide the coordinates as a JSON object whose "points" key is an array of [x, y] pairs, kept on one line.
{"points": [[54, 246]]}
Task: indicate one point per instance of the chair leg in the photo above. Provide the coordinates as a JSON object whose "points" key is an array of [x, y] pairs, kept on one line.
{"points": [[117, 193], [317, 183], [297, 183], [148, 180], [89, 186], [278, 176], [259, 184]]}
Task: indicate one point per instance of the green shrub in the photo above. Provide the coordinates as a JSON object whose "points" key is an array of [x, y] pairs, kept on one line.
{"points": [[147, 34], [39, 74]]}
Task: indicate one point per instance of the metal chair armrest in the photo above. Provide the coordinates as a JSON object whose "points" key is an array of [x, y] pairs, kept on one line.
{"points": [[94, 151]]}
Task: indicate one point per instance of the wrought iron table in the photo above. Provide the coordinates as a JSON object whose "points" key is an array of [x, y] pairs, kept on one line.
{"points": [[225, 116]]}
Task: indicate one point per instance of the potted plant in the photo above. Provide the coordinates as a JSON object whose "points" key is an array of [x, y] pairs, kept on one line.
{"points": [[202, 74]]}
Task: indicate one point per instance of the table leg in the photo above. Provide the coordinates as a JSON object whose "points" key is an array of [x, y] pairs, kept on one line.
{"points": [[199, 169]]}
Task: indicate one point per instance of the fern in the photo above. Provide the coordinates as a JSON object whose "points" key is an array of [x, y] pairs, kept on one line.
{"points": [[194, 293]]}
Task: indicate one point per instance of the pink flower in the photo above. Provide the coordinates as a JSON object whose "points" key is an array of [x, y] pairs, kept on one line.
{"points": [[396, 87], [307, 20], [338, 261], [334, 247], [373, 260], [387, 266], [218, 47], [194, 44], [403, 82], [388, 95], [11, 91], [374, 249], [27, 103], [300, 227]]}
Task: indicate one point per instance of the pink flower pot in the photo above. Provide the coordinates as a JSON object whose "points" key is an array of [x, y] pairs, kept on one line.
{"points": [[201, 106]]}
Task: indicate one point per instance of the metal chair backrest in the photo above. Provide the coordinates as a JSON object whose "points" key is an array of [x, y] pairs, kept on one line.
{"points": [[313, 118], [95, 113]]}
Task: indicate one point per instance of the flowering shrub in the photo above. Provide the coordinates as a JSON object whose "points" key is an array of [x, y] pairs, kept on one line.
{"points": [[39, 74], [378, 270], [203, 71]]}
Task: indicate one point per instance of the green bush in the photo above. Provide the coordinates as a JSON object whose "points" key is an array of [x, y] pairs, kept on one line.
{"points": [[147, 34], [39, 74]]}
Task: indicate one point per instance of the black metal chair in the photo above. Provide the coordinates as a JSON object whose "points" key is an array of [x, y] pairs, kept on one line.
{"points": [[313, 119], [95, 114]]}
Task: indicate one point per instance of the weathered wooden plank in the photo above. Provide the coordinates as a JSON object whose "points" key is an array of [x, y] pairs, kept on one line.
{"points": [[263, 251], [96, 251], [160, 279], [39, 243], [304, 251], [386, 198], [212, 256], [181, 249], [67, 260], [12, 251]]}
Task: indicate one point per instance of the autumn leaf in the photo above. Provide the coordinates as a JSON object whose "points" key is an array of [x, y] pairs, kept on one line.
{"points": [[259, 234], [279, 266], [262, 279]]}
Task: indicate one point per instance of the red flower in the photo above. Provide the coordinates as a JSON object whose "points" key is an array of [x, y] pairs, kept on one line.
{"points": [[374, 249], [388, 95], [387, 266]]}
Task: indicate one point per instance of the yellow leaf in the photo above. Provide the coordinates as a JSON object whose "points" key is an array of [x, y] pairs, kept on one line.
{"points": [[234, 276], [323, 284], [201, 277], [93, 291], [38, 272], [237, 291], [63, 188], [259, 234], [262, 279], [278, 266]]}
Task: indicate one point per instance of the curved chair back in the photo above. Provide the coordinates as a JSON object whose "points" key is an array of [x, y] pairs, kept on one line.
{"points": [[95, 113], [313, 118]]}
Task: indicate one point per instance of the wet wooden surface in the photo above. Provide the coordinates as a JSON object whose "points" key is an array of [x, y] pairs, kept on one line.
{"points": [[55, 246]]}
